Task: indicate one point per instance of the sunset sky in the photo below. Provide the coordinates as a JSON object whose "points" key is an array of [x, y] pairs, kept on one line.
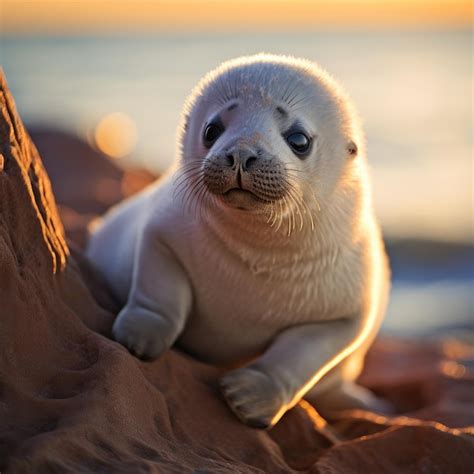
{"points": [[102, 16]]}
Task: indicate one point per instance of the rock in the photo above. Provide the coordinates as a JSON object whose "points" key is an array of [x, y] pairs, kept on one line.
{"points": [[85, 181], [72, 400]]}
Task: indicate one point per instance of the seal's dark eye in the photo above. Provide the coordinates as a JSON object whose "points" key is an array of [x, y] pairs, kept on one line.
{"points": [[211, 134], [299, 143]]}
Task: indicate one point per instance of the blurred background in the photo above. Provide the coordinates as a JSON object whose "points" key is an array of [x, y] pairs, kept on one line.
{"points": [[97, 77]]}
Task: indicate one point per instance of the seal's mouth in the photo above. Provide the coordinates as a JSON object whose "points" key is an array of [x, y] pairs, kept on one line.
{"points": [[234, 192], [242, 199]]}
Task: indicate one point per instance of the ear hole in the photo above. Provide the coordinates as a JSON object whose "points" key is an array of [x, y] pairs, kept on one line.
{"points": [[352, 149]]}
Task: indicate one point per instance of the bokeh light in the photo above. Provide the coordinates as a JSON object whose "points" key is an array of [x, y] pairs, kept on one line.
{"points": [[116, 135]]}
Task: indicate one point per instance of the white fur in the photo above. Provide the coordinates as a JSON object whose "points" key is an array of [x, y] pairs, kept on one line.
{"points": [[229, 287]]}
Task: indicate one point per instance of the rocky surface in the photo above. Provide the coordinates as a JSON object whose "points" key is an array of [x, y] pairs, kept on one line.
{"points": [[72, 400]]}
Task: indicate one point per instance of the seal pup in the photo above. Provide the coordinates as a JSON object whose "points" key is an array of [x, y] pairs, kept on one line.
{"points": [[259, 250]]}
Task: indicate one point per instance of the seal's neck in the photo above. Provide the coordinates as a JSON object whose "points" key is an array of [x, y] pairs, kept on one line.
{"points": [[254, 240]]}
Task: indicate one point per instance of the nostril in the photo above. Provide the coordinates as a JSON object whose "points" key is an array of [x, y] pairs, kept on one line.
{"points": [[230, 160], [249, 162]]}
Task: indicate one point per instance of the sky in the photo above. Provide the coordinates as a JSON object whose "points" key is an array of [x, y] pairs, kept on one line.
{"points": [[102, 16]]}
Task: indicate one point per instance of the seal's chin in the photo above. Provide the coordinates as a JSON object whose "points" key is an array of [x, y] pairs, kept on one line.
{"points": [[242, 199]]}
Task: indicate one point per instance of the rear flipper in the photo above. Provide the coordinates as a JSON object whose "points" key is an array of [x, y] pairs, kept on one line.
{"points": [[338, 390], [348, 395]]}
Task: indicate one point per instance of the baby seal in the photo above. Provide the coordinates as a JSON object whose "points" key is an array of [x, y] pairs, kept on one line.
{"points": [[259, 251]]}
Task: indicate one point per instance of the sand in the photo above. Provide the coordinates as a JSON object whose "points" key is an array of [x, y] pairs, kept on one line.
{"points": [[73, 400]]}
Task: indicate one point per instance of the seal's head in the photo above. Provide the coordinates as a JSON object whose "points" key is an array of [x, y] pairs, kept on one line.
{"points": [[269, 135]]}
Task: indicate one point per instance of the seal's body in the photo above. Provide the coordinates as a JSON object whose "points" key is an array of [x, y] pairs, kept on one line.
{"points": [[259, 249]]}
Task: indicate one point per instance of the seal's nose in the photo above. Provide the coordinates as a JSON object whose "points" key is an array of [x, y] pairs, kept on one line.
{"points": [[242, 157]]}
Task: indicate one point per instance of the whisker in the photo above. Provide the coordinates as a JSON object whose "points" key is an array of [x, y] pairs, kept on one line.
{"points": [[291, 209], [182, 184], [281, 215], [270, 216], [274, 213], [190, 194], [191, 165], [201, 194], [187, 168], [289, 96], [308, 188], [296, 200], [301, 202], [194, 203], [211, 201], [288, 217]]}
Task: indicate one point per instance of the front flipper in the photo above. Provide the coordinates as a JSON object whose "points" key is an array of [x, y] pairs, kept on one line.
{"points": [[159, 302], [146, 334], [253, 396], [262, 392]]}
